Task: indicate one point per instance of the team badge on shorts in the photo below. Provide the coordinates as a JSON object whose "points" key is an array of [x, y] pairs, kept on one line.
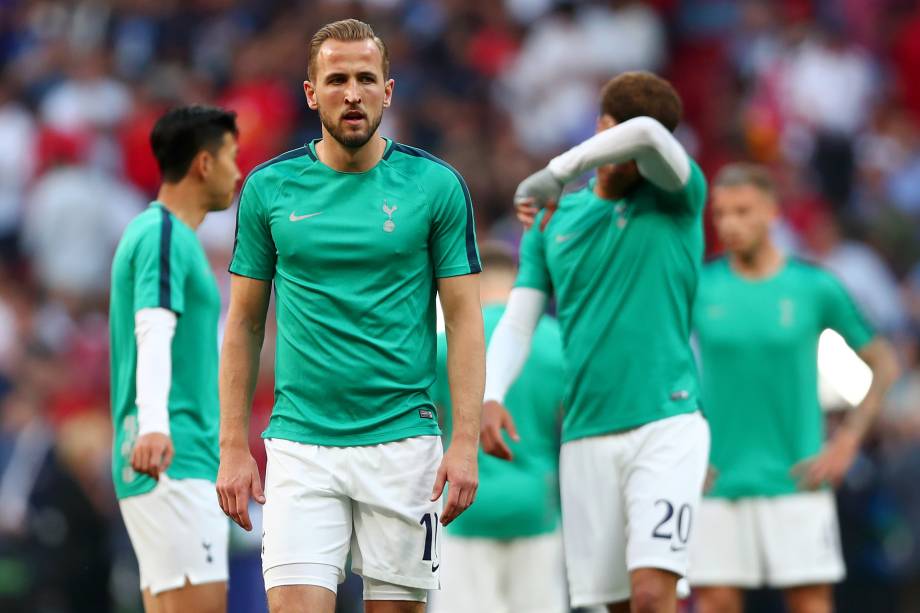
{"points": [[388, 225]]}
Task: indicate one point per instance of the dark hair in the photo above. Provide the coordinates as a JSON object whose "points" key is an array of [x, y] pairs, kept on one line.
{"points": [[639, 93], [182, 132], [496, 256], [346, 30], [743, 173]]}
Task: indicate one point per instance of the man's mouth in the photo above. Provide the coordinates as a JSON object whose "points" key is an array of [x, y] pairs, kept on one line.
{"points": [[353, 117]]}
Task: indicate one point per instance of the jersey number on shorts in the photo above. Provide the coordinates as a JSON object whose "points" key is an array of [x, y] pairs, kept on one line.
{"points": [[684, 521], [430, 521]]}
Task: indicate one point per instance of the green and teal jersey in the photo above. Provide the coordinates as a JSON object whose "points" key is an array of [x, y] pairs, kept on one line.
{"points": [[519, 498], [354, 258], [624, 273], [758, 343], [159, 263]]}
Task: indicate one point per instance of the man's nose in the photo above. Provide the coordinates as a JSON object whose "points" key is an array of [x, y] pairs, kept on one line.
{"points": [[352, 94]]}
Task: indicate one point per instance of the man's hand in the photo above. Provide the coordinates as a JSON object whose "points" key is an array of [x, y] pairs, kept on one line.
{"points": [[459, 468], [831, 465], [541, 187], [237, 480], [152, 455], [496, 418], [712, 473]]}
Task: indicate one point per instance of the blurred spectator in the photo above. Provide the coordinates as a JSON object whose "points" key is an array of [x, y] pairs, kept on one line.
{"points": [[73, 220]]}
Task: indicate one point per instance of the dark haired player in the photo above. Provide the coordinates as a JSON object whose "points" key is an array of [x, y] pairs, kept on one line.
{"points": [[622, 257], [163, 324]]}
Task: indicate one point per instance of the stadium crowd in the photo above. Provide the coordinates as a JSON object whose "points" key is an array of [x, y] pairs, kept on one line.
{"points": [[824, 92]]}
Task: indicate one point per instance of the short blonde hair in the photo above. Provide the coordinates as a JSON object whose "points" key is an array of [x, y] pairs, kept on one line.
{"points": [[346, 30], [745, 173]]}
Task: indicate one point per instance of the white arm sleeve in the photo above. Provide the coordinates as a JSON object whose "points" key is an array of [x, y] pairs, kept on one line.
{"points": [[510, 342], [154, 329], [660, 157]]}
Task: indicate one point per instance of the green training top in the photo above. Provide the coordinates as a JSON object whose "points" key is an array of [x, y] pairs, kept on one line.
{"points": [[519, 498], [624, 273], [159, 263], [759, 360], [354, 258]]}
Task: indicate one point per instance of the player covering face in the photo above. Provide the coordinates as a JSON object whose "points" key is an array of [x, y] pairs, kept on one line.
{"points": [[770, 518], [622, 257], [356, 233]]}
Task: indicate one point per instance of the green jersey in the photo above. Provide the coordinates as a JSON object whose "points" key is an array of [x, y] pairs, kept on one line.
{"points": [[758, 344], [160, 263], [519, 498], [624, 273], [354, 258]]}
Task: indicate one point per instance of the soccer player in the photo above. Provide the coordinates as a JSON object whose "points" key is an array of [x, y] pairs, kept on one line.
{"points": [[357, 233], [163, 325], [771, 519], [505, 553], [622, 257]]}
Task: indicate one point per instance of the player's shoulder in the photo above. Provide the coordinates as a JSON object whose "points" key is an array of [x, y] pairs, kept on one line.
{"points": [[420, 163], [814, 274], [146, 226], [288, 163], [804, 267]]}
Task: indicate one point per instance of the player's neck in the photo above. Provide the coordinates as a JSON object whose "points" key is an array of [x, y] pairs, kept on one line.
{"points": [[759, 263], [344, 159], [184, 201]]}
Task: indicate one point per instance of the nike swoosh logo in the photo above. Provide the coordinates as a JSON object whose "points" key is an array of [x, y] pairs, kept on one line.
{"points": [[676, 549], [561, 238], [435, 567], [294, 217]]}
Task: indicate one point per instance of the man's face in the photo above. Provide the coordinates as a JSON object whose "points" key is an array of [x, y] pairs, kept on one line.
{"points": [[221, 173], [742, 215], [349, 90]]}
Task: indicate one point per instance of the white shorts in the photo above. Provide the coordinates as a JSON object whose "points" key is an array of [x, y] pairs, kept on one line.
{"points": [[373, 501], [178, 532], [524, 574], [779, 542], [629, 500]]}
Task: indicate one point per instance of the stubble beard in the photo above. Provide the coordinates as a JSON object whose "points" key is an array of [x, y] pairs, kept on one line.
{"points": [[347, 138]]}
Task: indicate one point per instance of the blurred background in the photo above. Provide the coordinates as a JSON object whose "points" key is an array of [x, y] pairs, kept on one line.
{"points": [[826, 92]]}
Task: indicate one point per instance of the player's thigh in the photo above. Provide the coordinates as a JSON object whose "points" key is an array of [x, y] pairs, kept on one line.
{"points": [[536, 574], [397, 525], [725, 550], [663, 488], [307, 517], [298, 598], [801, 539], [473, 574], [594, 520], [201, 598], [719, 599], [809, 599], [393, 606], [150, 603], [178, 533]]}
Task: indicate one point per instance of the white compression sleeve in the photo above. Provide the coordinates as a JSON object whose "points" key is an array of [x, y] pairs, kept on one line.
{"points": [[660, 157], [154, 329], [510, 342]]}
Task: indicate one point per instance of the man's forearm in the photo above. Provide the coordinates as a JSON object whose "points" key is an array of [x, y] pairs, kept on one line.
{"points": [[466, 374], [239, 370], [883, 362], [661, 158]]}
